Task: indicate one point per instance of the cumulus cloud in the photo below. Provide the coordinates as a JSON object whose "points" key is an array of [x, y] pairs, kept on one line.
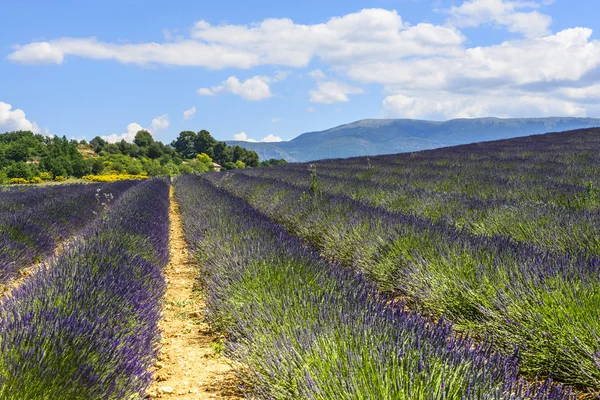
{"points": [[502, 13], [591, 92], [376, 46], [242, 136], [362, 35], [332, 92], [329, 92], [37, 53], [254, 89], [128, 136], [317, 74], [271, 139], [189, 114], [444, 105], [205, 92], [159, 123], [181, 53], [15, 120], [514, 63], [368, 33]]}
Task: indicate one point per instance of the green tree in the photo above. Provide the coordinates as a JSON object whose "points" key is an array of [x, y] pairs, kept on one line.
{"points": [[239, 164], [222, 153], [81, 167], [97, 166], [20, 170], [271, 162], [250, 158], [154, 150], [202, 163], [205, 143], [185, 144], [143, 138], [17, 151], [110, 148], [185, 169], [97, 144]]}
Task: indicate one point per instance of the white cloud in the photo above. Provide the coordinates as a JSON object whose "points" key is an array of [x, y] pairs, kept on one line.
{"points": [[585, 93], [274, 120], [504, 13], [128, 136], [444, 105], [310, 109], [557, 70], [16, 120], [271, 139], [369, 33], [317, 74], [181, 53], [159, 123], [242, 136], [189, 114], [332, 92], [254, 89], [329, 92], [205, 92], [514, 63], [37, 53]]}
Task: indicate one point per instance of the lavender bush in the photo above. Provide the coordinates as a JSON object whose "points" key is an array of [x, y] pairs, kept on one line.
{"points": [[539, 295], [35, 221], [85, 325], [300, 327]]}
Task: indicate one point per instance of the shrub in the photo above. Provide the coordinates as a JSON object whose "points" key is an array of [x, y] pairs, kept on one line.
{"points": [[46, 176], [113, 177]]}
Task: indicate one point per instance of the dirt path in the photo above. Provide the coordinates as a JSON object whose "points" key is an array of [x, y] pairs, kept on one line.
{"points": [[188, 366]]}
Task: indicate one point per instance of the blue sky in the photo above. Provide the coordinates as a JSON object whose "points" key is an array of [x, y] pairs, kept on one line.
{"points": [[270, 70]]}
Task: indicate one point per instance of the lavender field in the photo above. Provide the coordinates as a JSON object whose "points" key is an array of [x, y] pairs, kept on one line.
{"points": [[501, 239], [468, 272]]}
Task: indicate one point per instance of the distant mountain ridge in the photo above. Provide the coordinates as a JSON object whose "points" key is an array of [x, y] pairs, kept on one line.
{"points": [[387, 136]]}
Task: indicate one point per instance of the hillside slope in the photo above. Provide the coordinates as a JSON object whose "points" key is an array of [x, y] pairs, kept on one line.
{"points": [[388, 136]]}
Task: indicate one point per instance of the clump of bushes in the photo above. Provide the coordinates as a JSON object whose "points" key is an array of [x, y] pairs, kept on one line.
{"points": [[115, 177]]}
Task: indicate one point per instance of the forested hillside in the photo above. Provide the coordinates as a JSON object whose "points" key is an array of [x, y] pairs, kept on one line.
{"points": [[26, 157]]}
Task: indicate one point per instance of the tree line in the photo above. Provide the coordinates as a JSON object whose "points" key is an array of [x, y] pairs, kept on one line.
{"points": [[26, 155]]}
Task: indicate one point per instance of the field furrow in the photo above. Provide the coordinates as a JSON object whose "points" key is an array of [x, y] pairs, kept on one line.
{"points": [[189, 364]]}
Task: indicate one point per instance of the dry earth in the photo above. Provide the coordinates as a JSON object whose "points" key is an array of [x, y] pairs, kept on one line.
{"points": [[188, 366]]}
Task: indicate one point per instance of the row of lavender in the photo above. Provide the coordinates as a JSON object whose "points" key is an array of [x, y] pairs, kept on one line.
{"points": [[21, 198], [511, 293], [84, 326], [542, 190], [35, 221], [300, 327], [543, 223], [503, 168]]}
